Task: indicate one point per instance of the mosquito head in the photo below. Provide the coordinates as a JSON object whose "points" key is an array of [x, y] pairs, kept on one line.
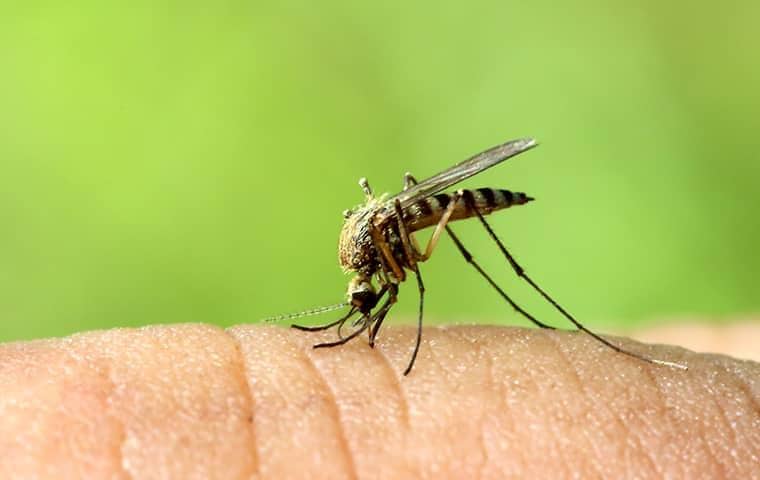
{"points": [[361, 293]]}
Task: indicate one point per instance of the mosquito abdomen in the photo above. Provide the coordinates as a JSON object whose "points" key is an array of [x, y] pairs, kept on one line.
{"points": [[428, 211]]}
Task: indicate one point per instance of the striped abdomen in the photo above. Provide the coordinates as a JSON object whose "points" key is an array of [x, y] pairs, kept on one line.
{"points": [[428, 211]]}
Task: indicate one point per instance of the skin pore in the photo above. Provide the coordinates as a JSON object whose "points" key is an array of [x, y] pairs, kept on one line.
{"points": [[197, 401]]}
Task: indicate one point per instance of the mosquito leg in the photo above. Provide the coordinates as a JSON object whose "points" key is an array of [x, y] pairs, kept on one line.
{"points": [[345, 339], [380, 295], [441, 225], [386, 256], [409, 180], [469, 259], [387, 284], [319, 328], [412, 256], [521, 273], [421, 287], [409, 251], [380, 315]]}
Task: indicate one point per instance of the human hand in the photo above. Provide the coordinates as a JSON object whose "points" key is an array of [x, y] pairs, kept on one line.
{"points": [[196, 401]]}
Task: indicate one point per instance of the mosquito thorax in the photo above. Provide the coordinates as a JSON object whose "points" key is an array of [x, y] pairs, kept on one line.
{"points": [[361, 293], [356, 250]]}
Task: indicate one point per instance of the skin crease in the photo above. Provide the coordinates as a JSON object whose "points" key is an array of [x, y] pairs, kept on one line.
{"points": [[196, 401]]}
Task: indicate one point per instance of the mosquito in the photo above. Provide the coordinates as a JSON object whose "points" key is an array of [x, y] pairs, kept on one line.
{"points": [[377, 244]]}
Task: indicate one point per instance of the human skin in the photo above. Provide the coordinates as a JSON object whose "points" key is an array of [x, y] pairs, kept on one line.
{"points": [[196, 401]]}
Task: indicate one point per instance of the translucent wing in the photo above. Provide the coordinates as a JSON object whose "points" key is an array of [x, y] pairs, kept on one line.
{"points": [[463, 170]]}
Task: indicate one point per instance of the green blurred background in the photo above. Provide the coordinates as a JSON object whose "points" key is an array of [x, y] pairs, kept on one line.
{"points": [[189, 161]]}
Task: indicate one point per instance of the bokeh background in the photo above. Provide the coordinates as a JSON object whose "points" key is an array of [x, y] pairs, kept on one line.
{"points": [[189, 161]]}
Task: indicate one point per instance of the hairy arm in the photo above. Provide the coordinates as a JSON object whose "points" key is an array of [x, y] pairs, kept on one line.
{"points": [[195, 401]]}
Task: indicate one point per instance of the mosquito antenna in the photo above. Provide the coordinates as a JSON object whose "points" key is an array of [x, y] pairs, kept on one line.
{"points": [[521, 273], [305, 313]]}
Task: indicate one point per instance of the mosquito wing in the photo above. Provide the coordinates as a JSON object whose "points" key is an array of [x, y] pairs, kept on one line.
{"points": [[463, 170]]}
